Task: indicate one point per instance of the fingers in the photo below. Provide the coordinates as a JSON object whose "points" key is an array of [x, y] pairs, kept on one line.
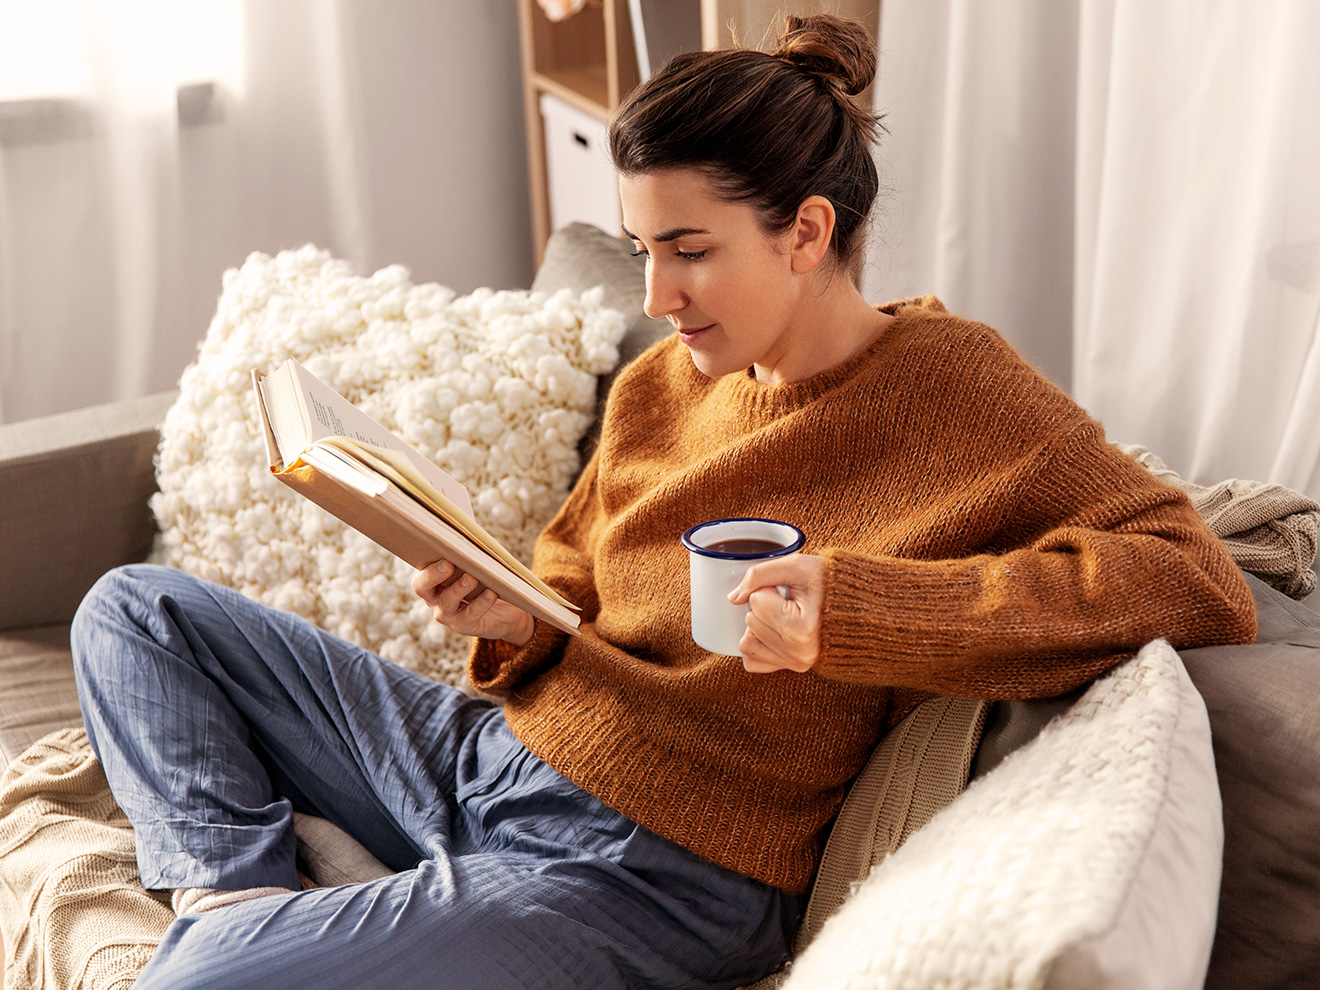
{"points": [[430, 581], [801, 573], [781, 634], [459, 596], [459, 601], [759, 659], [451, 596], [473, 611]]}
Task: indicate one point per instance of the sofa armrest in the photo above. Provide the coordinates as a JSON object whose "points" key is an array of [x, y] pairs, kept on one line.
{"points": [[73, 504]]}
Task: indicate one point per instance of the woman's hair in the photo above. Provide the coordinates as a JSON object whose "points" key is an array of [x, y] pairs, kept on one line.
{"points": [[768, 129]]}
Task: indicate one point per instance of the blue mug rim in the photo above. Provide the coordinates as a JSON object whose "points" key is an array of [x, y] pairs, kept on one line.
{"points": [[691, 531]]}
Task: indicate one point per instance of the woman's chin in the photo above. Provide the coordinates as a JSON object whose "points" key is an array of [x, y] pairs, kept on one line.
{"points": [[712, 366]]}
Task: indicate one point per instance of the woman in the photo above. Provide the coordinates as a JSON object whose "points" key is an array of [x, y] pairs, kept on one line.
{"points": [[641, 812]]}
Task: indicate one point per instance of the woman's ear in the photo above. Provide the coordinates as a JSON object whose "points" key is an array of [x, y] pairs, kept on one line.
{"points": [[812, 232]]}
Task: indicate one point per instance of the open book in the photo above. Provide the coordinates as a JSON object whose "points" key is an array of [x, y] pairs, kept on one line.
{"points": [[325, 448]]}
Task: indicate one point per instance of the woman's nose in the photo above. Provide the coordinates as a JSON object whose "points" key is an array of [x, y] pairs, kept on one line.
{"points": [[662, 295]]}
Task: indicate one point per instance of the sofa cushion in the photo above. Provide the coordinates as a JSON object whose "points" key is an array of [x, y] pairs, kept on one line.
{"points": [[1263, 702], [37, 691], [73, 504], [580, 256], [496, 387], [1264, 705], [1087, 859]]}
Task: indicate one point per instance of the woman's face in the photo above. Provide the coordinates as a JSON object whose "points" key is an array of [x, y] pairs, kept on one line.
{"points": [[712, 271]]}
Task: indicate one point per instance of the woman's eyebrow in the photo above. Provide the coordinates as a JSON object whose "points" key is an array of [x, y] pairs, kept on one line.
{"points": [[668, 235]]}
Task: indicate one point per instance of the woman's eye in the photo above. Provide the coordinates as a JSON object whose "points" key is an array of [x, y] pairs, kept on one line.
{"points": [[640, 252], [691, 255]]}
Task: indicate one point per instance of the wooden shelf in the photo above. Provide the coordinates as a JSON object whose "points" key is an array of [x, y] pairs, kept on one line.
{"points": [[589, 61], [586, 87]]}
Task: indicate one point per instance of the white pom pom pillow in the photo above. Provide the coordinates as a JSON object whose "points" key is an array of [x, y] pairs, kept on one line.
{"points": [[496, 387]]}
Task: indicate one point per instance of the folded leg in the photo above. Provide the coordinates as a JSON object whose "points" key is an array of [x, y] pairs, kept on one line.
{"points": [[215, 717]]}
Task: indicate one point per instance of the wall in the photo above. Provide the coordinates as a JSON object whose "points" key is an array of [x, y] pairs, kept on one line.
{"points": [[445, 149]]}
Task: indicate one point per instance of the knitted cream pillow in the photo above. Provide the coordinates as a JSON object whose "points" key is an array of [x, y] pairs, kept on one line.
{"points": [[496, 387], [1088, 860]]}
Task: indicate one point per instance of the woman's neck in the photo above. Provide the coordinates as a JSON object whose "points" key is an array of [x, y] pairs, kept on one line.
{"points": [[836, 325]]}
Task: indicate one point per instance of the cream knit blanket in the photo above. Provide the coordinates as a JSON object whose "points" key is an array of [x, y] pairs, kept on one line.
{"points": [[67, 848], [1268, 529]]}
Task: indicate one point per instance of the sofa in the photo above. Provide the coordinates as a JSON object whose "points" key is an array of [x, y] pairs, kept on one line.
{"points": [[74, 502]]}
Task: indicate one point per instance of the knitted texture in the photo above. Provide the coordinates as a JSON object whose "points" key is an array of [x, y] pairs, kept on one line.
{"points": [[496, 387], [73, 911], [1270, 530], [981, 538], [1090, 858]]}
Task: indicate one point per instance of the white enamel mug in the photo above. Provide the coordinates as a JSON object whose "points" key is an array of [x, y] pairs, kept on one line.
{"points": [[718, 624]]}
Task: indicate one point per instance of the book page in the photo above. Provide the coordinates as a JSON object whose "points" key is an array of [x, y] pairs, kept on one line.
{"points": [[331, 415], [346, 470]]}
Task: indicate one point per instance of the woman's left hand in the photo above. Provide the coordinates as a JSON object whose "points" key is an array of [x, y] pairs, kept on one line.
{"points": [[782, 633]]}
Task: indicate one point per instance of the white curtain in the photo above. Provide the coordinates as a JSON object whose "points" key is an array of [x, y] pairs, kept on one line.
{"points": [[145, 145], [1128, 191], [978, 165]]}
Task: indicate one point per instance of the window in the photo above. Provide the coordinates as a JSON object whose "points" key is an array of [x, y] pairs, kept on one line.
{"points": [[141, 56]]}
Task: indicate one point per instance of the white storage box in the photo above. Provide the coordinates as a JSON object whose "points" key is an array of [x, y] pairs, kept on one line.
{"points": [[578, 169]]}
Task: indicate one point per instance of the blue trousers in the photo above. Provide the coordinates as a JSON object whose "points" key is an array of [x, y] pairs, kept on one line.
{"points": [[216, 718]]}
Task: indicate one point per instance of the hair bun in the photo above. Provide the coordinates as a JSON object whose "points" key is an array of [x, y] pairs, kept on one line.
{"points": [[837, 51]]}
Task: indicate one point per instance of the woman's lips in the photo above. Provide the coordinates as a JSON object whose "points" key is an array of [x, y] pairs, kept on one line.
{"points": [[688, 334]]}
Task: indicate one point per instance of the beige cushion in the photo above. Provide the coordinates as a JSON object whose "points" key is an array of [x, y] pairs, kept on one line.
{"points": [[37, 690], [72, 909], [73, 912], [1087, 859], [73, 504], [916, 771]]}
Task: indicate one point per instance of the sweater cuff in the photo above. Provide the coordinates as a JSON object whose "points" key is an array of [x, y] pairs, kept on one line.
{"points": [[884, 621], [498, 668]]}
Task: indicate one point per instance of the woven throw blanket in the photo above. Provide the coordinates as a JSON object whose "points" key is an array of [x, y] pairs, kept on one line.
{"points": [[1270, 530], [72, 909]]}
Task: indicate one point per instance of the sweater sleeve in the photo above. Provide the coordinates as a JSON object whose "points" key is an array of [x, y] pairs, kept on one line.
{"points": [[1100, 558], [563, 559]]}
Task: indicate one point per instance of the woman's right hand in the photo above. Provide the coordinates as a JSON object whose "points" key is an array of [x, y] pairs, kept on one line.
{"points": [[485, 615]]}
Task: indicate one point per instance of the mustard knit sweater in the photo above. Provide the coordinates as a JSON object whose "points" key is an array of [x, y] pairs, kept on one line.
{"points": [[981, 537]]}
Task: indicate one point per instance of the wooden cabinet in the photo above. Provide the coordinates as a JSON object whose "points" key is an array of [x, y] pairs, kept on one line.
{"points": [[589, 61]]}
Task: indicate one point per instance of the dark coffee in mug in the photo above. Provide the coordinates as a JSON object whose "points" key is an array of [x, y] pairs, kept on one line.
{"points": [[745, 546]]}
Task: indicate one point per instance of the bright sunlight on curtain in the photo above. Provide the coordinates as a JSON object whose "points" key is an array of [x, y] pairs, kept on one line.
{"points": [[145, 147], [1128, 190], [89, 97]]}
